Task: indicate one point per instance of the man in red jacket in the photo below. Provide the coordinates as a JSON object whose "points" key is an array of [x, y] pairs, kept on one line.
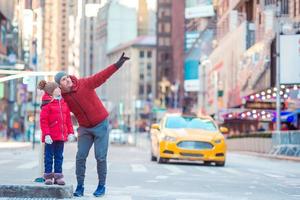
{"points": [[83, 101]]}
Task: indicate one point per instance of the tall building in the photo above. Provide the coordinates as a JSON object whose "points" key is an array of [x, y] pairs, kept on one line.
{"points": [[152, 22], [8, 35], [55, 34], [74, 38], [170, 47], [143, 18], [87, 16], [116, 24]]}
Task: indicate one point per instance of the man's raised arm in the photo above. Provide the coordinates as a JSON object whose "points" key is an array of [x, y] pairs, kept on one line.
{"points": [[99, 78]]}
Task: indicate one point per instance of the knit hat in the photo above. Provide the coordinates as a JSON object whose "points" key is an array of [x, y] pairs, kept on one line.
{"points": [[48, 87], [59, 75]]}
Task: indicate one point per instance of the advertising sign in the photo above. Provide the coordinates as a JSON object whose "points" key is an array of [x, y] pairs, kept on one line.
{"points": [[289, 59], [191, 80], [199, 11]]}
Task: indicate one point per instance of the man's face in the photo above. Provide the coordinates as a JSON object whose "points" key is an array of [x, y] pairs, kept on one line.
{"points": [[66, 83]]}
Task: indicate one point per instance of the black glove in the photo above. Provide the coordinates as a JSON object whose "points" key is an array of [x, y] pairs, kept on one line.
{"points": [[121, 60]]}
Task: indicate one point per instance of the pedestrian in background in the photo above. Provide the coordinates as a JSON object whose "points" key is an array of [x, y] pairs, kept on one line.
{"points": [[83, 101], [56, 125]]}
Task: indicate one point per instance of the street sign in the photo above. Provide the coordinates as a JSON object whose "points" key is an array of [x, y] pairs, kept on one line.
{"points": [[262, 105]]}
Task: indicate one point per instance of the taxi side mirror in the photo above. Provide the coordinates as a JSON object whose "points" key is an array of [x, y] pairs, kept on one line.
{"points": [[224, 130], [155, 126]]}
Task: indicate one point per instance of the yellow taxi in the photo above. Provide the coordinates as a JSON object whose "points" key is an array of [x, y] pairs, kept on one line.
{"points": [[188, 138]]}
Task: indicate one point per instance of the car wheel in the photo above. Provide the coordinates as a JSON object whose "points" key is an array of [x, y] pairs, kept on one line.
{"points": [[162, 160], [220, 164], [207, 163], [153, 158]]}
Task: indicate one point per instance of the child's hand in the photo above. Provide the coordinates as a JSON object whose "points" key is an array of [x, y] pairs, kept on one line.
{"points": [[71, 137], [48, 139]]}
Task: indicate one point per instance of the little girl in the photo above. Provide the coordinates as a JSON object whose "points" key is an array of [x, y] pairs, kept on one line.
{"points": [[56, 125]]}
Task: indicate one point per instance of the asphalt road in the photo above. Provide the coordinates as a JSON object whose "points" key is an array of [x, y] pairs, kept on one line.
{"points": [[132, 176]]}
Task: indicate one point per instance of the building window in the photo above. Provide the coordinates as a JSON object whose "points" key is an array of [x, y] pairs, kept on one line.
{"points": [[164, 41], [295, 8], [141, 89], [149, 89], [164, 12], [141, 77], [161, 27], [285, 7], [164, 57], [149, 54], [167, 28], [149, 66], [142, 54]]}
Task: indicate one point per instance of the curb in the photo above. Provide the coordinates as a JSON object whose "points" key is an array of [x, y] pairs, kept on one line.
{"points": [[289, 158], [36, 191]]}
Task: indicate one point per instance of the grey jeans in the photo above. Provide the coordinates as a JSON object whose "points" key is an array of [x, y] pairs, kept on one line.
{"points": [[98, 136]]}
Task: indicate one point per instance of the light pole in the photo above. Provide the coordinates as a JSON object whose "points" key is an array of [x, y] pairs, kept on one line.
{"points": [[278, 102], [216, 95], [202, 94]]}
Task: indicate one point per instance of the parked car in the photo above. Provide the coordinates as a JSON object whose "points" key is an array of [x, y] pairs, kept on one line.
{"points": [[118, 136], [188, 138]]}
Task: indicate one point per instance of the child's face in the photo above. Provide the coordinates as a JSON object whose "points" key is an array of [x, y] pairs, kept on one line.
{"points": [[57, 92]]}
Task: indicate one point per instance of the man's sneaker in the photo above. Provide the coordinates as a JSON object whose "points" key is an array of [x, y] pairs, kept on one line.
{"points": [[100, 191], [79, 191]]}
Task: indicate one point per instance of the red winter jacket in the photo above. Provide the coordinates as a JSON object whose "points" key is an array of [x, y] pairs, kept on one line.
{"points": [[55, 119], [83, 100]]}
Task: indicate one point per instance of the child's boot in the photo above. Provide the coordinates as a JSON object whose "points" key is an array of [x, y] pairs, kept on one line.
{"points": [[58, 179], [48, 178]]}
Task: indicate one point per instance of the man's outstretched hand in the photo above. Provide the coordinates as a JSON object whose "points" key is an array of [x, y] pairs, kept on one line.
{"points": [[121, 60]]}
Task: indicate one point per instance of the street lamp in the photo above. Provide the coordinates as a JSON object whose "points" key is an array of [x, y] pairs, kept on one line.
{"points": [[285, 28]]}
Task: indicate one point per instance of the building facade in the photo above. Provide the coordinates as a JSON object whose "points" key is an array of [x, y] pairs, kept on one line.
{"points": [[170, 47], [116, 24], [241, 78], [55, 34], [133, 87]]}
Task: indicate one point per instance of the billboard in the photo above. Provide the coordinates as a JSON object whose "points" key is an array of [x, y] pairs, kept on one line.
{"points": [[199, 11], [290, 59], [191, 76]]}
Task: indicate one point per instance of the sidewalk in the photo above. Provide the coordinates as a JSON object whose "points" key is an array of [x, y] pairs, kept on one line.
{"points": [[14, 145], [264, 155]]}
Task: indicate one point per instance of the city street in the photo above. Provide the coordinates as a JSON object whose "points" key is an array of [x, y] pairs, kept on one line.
{"points": [[132, 176]]}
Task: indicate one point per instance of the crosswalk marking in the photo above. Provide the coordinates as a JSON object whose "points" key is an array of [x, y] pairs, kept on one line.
{"points": [[231, 171], [206, 170], [138, 168], [174, 170], [274, 175], [5, 161], [116, 197], [161, 177], [28, 165], [152, 181], [186, 199]]}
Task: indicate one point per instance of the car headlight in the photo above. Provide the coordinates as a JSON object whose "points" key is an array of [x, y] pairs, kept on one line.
{"points": [[218, 141], [169, 138]]}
